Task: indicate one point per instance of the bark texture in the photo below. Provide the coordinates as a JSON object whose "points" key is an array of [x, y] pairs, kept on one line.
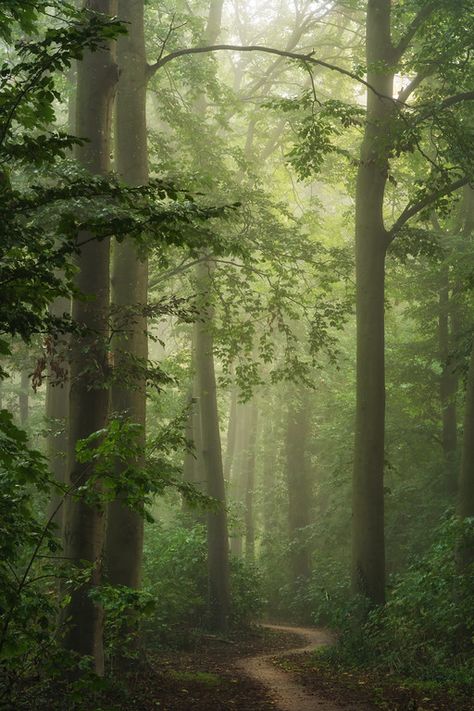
{"points": [[368, 551], [57, 412], [217, 534], [299, 480], [231, 435], [124, 548], [24, 396], [84, 534], [466, 475], [249, 474], [448, 382]]}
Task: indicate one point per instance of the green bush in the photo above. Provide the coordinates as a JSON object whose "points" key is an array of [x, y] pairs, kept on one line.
{"points": [[175, 576], [426, 629]]}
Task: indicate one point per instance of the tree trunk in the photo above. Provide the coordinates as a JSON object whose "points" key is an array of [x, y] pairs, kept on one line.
{"points": [[124, 547], [249, 474], [84, 535], [448, 383], [466, 478], [193, 465], [231, 435], [237, 486], [57, 411], [24, 397], [269, 475], [368, 548], [299, 481], [218, 553]]}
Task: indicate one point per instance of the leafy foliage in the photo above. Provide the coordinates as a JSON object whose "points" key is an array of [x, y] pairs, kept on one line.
{"points": [[175, 577], [425, 630]]}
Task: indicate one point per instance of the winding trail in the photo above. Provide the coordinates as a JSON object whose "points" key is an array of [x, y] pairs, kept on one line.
{"points": [[287, 694]]}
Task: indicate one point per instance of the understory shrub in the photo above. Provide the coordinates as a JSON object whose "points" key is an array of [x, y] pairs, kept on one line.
{"points": [[426, 629], [175, 577]]}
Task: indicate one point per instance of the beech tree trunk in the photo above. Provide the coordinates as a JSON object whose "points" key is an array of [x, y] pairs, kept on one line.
{"points": [[124, 548], [192, 464], [368, 548], [238, 482], [89, 401], [448, 383], [231, 435], [57, 411], [249, 477], [299, 480], [217, 535], [466, 478], [24, 397]]}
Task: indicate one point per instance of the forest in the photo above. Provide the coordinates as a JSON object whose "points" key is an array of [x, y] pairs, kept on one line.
{"points": [[237, 355]]}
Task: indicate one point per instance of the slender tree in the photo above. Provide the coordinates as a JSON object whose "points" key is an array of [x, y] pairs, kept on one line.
{"points": [[249, 477], [57, 411], [298, 479], [448, 382], [466, 476], [217, 534], [231, 435], [23, 396], [89, 400], [129, 286]]}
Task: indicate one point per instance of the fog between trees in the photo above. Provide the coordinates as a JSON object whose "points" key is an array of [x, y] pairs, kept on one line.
{"points": [[238, 370]]}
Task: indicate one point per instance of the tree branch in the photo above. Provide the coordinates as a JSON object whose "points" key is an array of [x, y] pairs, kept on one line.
{"points": [[413, 28], [457, 99], [414, 209], [405, 93], [307, 58]]}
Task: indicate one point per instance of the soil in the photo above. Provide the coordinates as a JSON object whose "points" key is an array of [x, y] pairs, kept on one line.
{"points": [[275, 669], [272, 668], [209, 677], [287, 692]]}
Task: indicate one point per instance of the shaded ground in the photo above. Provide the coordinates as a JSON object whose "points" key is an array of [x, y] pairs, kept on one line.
{"points": [[208, 678], [270, 669], [287, 691], [372, 690]]}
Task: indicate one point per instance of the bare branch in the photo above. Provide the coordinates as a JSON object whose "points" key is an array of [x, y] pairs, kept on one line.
{"points": [[414, 209], [307, 58], [413, 28], [405, 93], [457, 99]]}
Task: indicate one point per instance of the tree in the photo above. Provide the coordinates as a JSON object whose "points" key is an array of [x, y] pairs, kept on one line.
{"points": [[217, 534], [129, 288], [385, 124], [89, 397], [298, 472]]}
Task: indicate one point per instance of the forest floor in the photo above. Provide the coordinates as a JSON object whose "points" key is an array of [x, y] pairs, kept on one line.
{"points": [[273, 669]]}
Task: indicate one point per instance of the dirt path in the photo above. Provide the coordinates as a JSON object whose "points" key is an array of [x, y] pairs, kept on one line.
{"points": [[287, 694]]}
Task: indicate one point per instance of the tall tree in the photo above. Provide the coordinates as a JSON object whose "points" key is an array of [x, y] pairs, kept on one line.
{"points": [[250, 454], [466, 476], [89, 400], [129, 286], [217, 534], [298, 474], [371, 245], [385, 123], [23, 396]]}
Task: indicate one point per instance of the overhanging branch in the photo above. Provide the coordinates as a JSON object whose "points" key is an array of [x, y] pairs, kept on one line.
{"points": [[413, 28], [306, 58], [413, 210]]}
